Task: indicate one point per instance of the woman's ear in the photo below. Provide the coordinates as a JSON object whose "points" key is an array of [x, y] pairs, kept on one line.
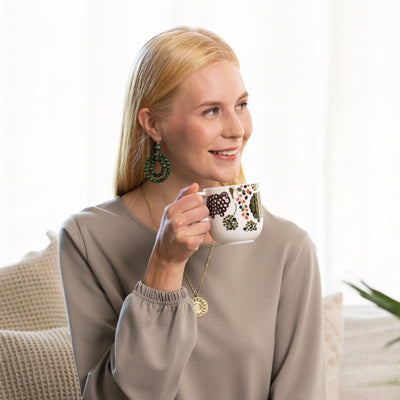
{"points": [[149, 123]]}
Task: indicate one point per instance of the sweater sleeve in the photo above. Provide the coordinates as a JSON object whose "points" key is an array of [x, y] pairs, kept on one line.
{"points": [[138, 352], [298, 365]]}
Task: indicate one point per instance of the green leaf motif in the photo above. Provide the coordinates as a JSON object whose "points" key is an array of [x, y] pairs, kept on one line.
{"points": [[254, 208], [231, 192], [250, 226], [230, 223]]}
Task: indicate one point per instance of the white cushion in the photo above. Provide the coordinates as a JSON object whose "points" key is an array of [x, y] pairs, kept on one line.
{"points": [[37, 365], [333, 334], [31, 295], [36, 360]]}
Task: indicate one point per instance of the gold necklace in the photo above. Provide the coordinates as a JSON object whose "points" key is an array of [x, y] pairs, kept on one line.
{"points": [[200, 304]]}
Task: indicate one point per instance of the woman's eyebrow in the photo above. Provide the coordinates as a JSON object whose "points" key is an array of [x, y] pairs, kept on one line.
{"points": [[245, 94], [209, 103]]}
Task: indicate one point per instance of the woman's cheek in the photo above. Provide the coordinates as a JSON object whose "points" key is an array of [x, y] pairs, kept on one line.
{"points": [[248, 128]]}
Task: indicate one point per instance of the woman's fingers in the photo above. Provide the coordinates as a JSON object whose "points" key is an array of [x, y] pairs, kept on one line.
{"points": [[193, 236], [199, 228], [193, 188], [188, 208], [183, 227], [185, 205], [187, 217]]}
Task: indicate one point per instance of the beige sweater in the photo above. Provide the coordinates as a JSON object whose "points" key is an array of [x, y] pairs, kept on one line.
{"points": [[261, 338]]}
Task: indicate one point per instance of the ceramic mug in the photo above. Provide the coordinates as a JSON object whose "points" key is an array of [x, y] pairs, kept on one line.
{"points": [[235, 212]]}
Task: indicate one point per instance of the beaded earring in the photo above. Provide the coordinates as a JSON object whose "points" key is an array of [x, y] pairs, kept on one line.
{"points": [[151, 175]]}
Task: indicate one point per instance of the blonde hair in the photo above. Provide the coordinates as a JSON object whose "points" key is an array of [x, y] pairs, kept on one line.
{"points": [[164, 62]]}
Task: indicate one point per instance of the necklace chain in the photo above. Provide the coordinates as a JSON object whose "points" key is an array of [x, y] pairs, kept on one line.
{"points": [[200, 304], [196, 293], [156, 225]]}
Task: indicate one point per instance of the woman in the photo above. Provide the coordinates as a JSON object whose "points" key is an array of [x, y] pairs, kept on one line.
{"points": [[130, 266]]}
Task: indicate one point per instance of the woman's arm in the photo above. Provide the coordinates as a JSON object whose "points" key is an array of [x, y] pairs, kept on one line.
{"points": [[298, 368], [138, 352]]}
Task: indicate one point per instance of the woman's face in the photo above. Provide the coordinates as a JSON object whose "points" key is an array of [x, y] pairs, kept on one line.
{"points": [[208, 126]]}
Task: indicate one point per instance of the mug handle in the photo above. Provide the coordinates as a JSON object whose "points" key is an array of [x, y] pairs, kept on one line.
{"points": [[202, 193]]}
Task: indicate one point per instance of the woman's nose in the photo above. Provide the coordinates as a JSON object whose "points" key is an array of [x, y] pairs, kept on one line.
{"points": [[233, 126]]}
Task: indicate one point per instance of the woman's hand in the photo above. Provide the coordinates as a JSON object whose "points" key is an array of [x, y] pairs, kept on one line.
{"points": [[182, 230]]}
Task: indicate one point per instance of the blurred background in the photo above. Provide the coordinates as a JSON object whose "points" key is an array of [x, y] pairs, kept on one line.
{"points": [[324, 84]]}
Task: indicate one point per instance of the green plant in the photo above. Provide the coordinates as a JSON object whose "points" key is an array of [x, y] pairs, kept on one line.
{"points": [[381, 300]]}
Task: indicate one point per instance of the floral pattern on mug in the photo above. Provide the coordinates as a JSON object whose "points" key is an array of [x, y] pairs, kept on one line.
{"points": [[247, 203], [218, 204], [230, 223]]}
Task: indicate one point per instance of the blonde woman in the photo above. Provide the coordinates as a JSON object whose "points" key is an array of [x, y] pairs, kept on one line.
{"points": [[130, 266]]}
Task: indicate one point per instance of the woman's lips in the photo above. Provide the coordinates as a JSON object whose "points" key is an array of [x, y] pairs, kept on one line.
{"points": [[226, 154]]}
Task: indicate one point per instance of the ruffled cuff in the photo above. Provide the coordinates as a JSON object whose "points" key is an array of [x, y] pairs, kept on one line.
{"points": [[161, 297]]}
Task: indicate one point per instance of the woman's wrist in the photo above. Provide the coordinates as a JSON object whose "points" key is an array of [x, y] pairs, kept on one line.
{"points": [[163, 275]]}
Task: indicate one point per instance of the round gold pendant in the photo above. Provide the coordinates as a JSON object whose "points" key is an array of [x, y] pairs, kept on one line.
{"points": [[200, 306]]}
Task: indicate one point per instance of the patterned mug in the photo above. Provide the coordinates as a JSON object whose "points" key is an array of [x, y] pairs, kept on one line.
{"points": [[235, 212]]}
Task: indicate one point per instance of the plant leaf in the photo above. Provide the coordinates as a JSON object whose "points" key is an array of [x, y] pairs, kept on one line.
{"points": [[392, 342], [393, 306], [380, 299]]}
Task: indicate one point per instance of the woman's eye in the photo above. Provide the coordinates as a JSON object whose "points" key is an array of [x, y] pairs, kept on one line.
{"points": [[212, 111], [242, 106]]}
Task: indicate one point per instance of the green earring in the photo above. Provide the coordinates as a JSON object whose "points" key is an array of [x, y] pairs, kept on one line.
{"points": [[151, 175]]}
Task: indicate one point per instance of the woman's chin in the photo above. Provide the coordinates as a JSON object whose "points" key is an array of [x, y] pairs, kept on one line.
{"points": [[227, 178], [216, 177]]}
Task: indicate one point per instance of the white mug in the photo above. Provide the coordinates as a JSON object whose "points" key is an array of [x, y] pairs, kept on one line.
{"points": [[235, 212]]}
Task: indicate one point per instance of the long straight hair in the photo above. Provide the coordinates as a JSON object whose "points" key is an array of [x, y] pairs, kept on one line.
{"points": [[163, 63]]}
